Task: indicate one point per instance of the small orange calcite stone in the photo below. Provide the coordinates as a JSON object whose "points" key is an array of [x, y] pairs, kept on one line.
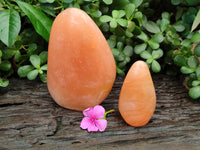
{"points": [[81, 67], [137, 99]]}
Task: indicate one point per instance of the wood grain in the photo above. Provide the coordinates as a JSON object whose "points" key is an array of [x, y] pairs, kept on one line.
{"points": [[30, 119]]}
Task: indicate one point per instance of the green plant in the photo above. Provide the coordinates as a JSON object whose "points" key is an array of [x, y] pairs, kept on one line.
{"points": [[132, 28], [37, 66]]}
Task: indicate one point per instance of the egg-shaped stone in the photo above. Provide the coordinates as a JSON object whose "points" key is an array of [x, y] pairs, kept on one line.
{"points": [[137, 99], [81, 67]]}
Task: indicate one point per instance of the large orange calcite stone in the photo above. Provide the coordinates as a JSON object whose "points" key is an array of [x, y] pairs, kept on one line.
{"points": [[81, 67], [137, 99]]}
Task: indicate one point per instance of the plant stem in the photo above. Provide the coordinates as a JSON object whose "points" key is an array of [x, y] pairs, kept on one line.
{"points": [[110, 111]]}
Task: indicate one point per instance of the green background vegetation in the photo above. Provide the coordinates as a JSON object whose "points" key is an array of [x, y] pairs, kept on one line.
{"points": [[160, 32]]}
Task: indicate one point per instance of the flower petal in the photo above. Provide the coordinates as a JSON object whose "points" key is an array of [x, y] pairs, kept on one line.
{"points": [[92, 127], [88, 112], [101, 124], [85, 123], [99, 112]]}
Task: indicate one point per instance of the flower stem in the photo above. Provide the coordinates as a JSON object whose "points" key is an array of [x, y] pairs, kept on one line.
{"points": [[110, 111]]}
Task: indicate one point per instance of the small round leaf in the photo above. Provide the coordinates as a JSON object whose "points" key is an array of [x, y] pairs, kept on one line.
{"points": [[153, 44], [105, 18], [140, 48], [5, 66], [128, 50], [145, 55], [180, 60], [24, 70], [43, 57], [196, 37], [44, 67], [35, 60], [186, 70], [194, 92], [43, 77], [197, 50], [155, 66], [32, 74], [192, 62]]}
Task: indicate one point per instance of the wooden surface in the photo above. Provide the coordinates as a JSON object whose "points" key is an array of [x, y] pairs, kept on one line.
{"points": [[29, 119]]}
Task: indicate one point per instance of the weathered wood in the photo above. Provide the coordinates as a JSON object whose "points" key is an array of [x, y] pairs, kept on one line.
{"points": [[29, 119]]}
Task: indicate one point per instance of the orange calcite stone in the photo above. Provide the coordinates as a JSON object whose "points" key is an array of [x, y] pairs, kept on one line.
{"points": [[81, 67], [137, 99]]}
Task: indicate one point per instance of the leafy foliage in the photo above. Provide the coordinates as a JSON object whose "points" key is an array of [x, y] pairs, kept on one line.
{"points": [[168, 41]]}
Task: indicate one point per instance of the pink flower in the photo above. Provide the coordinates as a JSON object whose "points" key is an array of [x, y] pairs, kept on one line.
{"points": [[94, 119]]}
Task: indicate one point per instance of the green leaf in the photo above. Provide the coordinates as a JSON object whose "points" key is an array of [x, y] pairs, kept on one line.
{"points": [[140, 48], [151, 26], [129, 9], [192, 62], [120, 71], [32, 47], [113, 23], [108, 2], [179, 13], [115, 52], [137, 3], [44, 67], [176, 2], [5, 66], [24, 70], [32, 74], [179, 27], [163, 24], [46, 1], [186, 70], [149, 61], [194, 92], [158, 37], [131, 26], [143, 36], [8, 53], [40, 21], [155, 66], [115, 13], [129, 34], [196, 37], [153, 44], [105, 18], [122, 13], [195, 83], [96, 14], [17, 56], [197, 50], [120, 45], [192, 2], [166, 15], [180, 60], [121, 57], [3, 83], [10, 25], [186, 43], [43, 77], [198, 70], [145, 55], [122, 22], [35, 60], [111, 42], [157, 53], [43, 57], [128, 50], [196, 21]]}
